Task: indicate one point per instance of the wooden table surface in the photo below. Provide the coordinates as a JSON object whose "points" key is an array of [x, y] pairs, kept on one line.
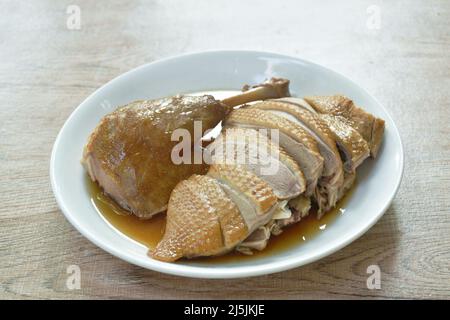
{"points": [[398, 50]]}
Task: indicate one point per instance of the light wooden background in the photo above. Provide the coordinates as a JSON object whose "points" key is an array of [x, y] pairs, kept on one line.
{"points": [[46, 70]]}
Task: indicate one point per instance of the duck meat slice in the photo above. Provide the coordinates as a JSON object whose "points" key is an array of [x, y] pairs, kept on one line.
{"points": [[258, 154], [201, 221], [332, 174], [354, 149], [352, 146], [254, 197], [370, 127], [291, 137], [210, 215]]}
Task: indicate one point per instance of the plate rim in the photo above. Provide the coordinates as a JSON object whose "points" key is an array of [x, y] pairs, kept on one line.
{"points": [[206, 273]]}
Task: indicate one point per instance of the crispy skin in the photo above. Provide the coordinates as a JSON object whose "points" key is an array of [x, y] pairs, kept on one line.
{"points": [[370, 127], [248, 184], [129, 153], [352, 145], [201, 221]]}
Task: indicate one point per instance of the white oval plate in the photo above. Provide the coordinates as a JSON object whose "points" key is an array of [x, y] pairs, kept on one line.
{"points": [[378, 179]]}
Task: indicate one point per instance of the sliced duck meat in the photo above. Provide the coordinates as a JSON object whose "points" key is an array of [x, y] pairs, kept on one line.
{"points": [[258, 154], [354, 149], [352, 146], [297, 102], [210, 215], [370, 127], [332, 174], [257, 240], [312, 124], [201, 221], [300, 208], [253, 196], [301, 204], [288, 213], [349, 180], [292, 138]]}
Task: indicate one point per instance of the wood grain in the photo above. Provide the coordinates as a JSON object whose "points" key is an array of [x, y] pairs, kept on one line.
{"points": [[46, 70]]}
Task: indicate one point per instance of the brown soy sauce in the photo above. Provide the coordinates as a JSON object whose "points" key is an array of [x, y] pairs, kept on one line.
{"points": [[149, 232]]}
